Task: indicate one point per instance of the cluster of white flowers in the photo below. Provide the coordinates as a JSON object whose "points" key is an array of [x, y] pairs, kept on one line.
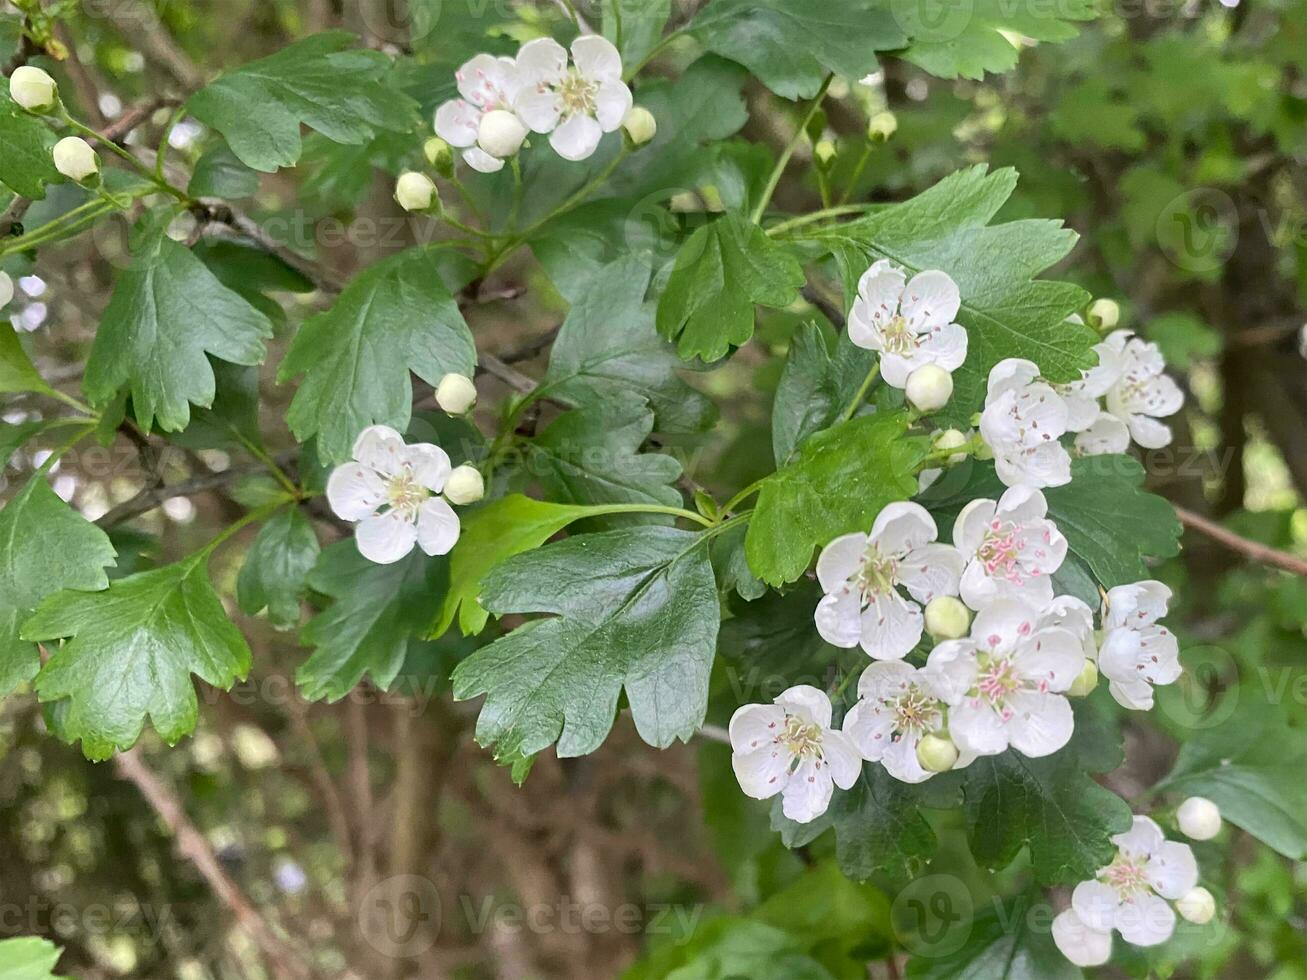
{"points": [[399, 494], [1133, 895], [575, 100]]}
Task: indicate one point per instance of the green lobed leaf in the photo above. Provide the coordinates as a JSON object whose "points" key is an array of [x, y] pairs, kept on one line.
{"points": [[634, 608], [879, 828], [130, 652], [26, 145], [167, 312], [260, 106], [219, 173], [721, 272], [1050, 805], [607, 351], [376, 619], [967, 40], [45, 546], [592, 456], [838, 483], [634, 26], [815, 387], [491, 534], [792, 47], [28, 958], [276, 568], [17, 373], [1006, 311], [1001, 944], [395, 317]]}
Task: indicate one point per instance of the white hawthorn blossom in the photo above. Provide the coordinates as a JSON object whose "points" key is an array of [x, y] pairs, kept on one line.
{"points": [[1142, 393], [1005, 684], [1011, 548], [392, 491], [898, 705], [789, 747], [575, 104], [1136, 651], [861, 575], [1022, 422], [486, 84], [1106, 435], [909, 322], [1073, 615], [1082, 397], [1130, 895]]}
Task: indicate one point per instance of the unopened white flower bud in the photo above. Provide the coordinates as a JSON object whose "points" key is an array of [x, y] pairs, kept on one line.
{"points": [[1085, 681], [415, 192], [882, 126], [501, 133], [929, 388], [937, 753], [640, 125], [75, 159], [1104, 314], [439, 154], [33, 89], [1199, 818], [465, 485], [947, 618], [824, 151], [951, 439], [1197, 905], [456, 394], [6, 290]]}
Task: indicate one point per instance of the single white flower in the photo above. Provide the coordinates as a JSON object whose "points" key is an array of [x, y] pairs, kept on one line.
{"points": [[909, 322], [861, 575], [1136, 651], [33, 89], [1143, 393], [789, 747], [1011, 548], [640, 125], [898, 705], [1199, 818], [456, 394], [75, 159], [1006, 684], [1022, 422], [575, 104], [6, 290], [1129, 895], [486, 84], [392, 491]]}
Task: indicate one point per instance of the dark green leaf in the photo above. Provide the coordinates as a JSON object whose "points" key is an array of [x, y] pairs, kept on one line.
{"points": [[218, 173], [317, 82], [16, 370], [634, 26], [879, 828], [815, 387], [395, 317], [837, 484], [276, 568], [26, 143], [28, 958], [1002, 944], [45, 546], [720, 274], [634, 608]]}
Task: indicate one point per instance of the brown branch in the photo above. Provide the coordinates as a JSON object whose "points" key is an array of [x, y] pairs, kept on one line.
{"points": [[196, 848], [1235, 542], [492, 365], [215, 212], [139, 25], [152, 497]]}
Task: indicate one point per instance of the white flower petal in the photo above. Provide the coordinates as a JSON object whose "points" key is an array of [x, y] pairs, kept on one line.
{"points": [[458, 122], [901, 527], [900, 760], [1010, 374], [946, 347], [1137, 695], [577, 138], [1003, 626], [1172, 870], [755, 725], [1083, 946], [842, 758], [891, 627], [481, 161], [381, 448], [596, 58], [1040, 724], [612, 103], [1096, 903], [840, 560], [437, 527], [1142, 840], [1145, 920], [486, 81], [763, 772], [430, 465], [885, 679], [1108, 435], [807, 703], [539, 109], [1021, 505], [808, 792], [931, 570], [951, 670], [541, 62], [1148, 432], [1136, 605], [1053, 658], [385, 538], [355, 491], [1082, 409], [930, 301], [869, 725], [971, 524], [839, 619], [976, 728], [895, 370]]}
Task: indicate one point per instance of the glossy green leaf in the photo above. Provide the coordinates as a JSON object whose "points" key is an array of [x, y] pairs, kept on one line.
{"points": [[26, 163], [1011, 941], [721, 273], [395, 317], [218, 173], [633, 609], [318, 82], [17, 372], [276, 567], [815, 387], [634, 26]]}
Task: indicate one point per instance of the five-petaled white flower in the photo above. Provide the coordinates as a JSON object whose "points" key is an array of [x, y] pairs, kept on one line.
{"points": [[1011, 548], [1022, 422], [1082, 397], [1142, 392], [1004, 685], [897, 706], [486, 84], [1137, 651], [909, 322], [790, 748], [575, 104], [1129, 895], [393, 491], [861, 575]]}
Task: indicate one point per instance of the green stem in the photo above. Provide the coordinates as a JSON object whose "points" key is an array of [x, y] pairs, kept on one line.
{"points": [[857, 172], [161, 154], [126, 157], [66, 225], [280, 475], [788, 152], [861, 393], [688, 515], [517, 191], [654, 52], [571, 10], [72, 402], [253, 517], [85, 429], [744, 494], [807, 219]]}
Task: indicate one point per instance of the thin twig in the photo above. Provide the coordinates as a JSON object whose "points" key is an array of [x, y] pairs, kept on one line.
{"points": [[1235, 542], [196, 848], [215, 212], [154, 496], [519, 382]]}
